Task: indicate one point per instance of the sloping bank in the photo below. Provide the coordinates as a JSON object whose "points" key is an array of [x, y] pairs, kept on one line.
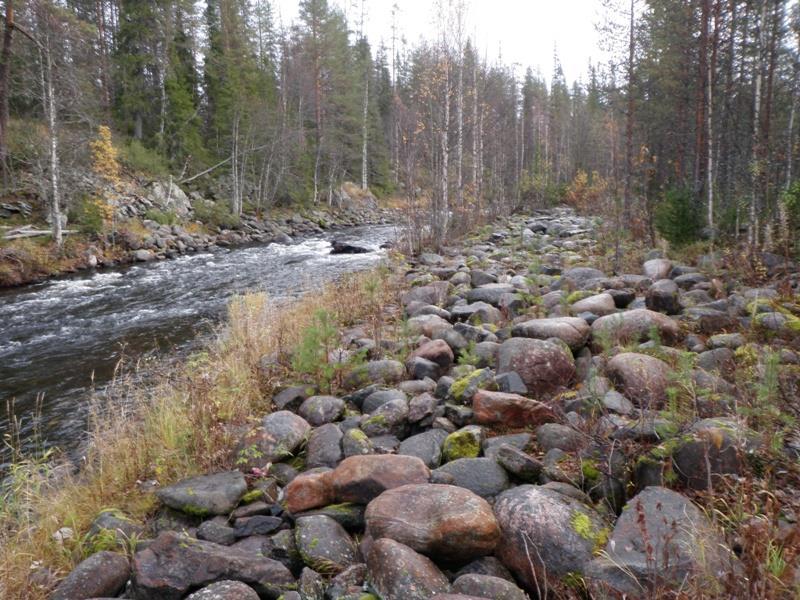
{"points": [[502, 421]]}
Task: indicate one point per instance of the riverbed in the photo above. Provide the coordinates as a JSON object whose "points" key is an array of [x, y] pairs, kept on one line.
{"points": [[62, 339]]}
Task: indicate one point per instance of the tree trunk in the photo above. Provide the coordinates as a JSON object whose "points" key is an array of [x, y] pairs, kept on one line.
{"points": [[756, 167], [627, 200], [364, 136], [444, 209], [5, 75], [460, 127], [49, 106]]}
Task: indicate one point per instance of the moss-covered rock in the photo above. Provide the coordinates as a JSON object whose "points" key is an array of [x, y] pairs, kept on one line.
{"points": [[464, 443]]}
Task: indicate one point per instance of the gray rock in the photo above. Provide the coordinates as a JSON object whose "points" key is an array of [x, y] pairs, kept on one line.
{"points": [[398, 573], [324, 544], [426, 446], [571, 330], [318, 410], [356, 443], [663, 296], [225, 590], [390, 418], [522, 466], [681, 542], [280, 435], [174, 564], [486, 586], [102, 574], [599, 304], [555, 435], [217, 530], [216, 494], [564, 531], [481, 476], [324, 447]]}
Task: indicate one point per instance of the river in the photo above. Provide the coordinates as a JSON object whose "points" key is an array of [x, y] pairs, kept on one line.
{"points": [[62, 338]]}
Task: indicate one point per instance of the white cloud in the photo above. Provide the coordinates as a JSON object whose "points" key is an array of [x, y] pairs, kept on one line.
{"points": [[525, 32]]}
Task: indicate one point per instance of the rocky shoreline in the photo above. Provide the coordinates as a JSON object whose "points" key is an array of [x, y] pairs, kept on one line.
{"points": [[162, 242], [540, 427]]}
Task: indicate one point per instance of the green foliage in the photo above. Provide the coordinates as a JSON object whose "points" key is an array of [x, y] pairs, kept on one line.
{"points": [[312, 357], [88, 216], [137, 157], [215, 214], [678, 218], [161, 217]]}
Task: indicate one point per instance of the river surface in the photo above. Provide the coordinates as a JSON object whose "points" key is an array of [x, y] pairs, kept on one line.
{"points": [[62, 338]]}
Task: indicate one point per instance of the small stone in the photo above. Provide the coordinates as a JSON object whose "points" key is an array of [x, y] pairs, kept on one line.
{"points": [[216, 494], [398, 573], [324, 544]]}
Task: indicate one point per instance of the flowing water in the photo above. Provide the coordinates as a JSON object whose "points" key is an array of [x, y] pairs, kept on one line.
{"points": [[60, 338]]}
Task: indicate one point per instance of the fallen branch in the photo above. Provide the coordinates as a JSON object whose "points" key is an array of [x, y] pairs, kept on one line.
{"points": [[30, 233]]}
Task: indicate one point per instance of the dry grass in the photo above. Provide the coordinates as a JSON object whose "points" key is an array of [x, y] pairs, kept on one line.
{"points": [[176, 427]]}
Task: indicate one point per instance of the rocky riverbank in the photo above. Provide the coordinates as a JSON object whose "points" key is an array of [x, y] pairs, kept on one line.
{"points": [[144, 240], [536, 426]]}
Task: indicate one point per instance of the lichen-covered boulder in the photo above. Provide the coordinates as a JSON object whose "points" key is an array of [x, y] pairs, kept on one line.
{"points": [[174, 564], [398, 573], [216, 494], [559, 533], [680, 543]]}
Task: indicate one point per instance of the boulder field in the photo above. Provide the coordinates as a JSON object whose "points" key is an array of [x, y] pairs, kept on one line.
{"points": [[540, 428]]}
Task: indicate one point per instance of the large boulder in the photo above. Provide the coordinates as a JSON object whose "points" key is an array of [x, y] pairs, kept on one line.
{"points": [[168, 197], [657, 268], [437, 351], [664, 296], [359, 479], [398, 573], [102, 574], [377, 371], [491, 293], [546, 534], [174, 564], [660, 540], [633, 326], [225, 590], [279, 436], [318, 410], [487, 586], [571, 330], [324, 544], [643, 379], [216, 494], [599, 304], [442, 521], [544, 366], [498, 408]]}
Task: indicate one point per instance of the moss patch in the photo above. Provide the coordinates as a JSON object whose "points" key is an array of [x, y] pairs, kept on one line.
{"points": [[461, 444]]}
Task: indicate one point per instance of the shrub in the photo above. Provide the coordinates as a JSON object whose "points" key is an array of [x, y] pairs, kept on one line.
{"points": [[215, 214], [161, 217], [138, 157], [90, 216], [678, 218]]}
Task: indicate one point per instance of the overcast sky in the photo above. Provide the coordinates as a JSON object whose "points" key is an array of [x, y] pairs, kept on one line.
{"points": [[524, 31]]}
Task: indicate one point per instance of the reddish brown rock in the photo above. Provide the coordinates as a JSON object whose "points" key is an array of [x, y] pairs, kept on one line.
{"points": [[442, 521], [309, 490], [544, 366], [436, 351], [398, 573], [642, 379], [491, 408], [359, 479], [571, 330]]}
